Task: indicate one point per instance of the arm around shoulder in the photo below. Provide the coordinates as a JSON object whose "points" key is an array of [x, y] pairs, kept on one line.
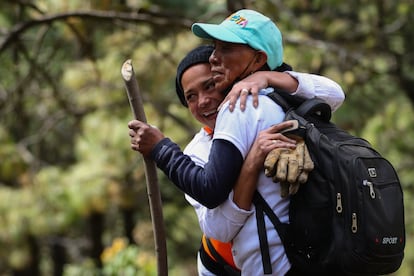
{"points": [[311, 85]]}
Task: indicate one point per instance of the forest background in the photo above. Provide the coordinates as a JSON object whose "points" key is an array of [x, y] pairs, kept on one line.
{"points": [[72, 193]]}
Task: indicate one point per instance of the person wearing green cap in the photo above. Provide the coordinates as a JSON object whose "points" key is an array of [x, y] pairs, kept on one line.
{"points": [[247, 27], [250, 36], [195, 181], [245, 42]]}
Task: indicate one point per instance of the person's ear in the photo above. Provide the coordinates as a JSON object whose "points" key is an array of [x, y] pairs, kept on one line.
{"points": [[261, 58]]}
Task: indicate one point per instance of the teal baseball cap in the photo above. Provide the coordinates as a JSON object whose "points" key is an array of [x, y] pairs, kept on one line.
{"points": [[247, 27]]}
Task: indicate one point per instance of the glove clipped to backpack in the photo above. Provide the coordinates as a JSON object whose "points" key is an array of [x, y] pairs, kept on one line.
{"points": [[289, 167]]}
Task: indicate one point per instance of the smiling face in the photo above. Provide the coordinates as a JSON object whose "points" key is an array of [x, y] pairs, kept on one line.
{"points": [[231, 61], [200, 93]]}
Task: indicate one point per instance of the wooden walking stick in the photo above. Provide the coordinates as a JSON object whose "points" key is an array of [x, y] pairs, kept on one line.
{"points": [[153, 190]]}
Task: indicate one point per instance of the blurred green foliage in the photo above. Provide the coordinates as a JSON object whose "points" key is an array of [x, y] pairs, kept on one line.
{"points": [[65, 156]]}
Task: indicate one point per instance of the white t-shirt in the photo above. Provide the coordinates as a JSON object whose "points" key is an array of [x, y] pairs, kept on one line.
{"points": [[223, 223], [228, 222]]}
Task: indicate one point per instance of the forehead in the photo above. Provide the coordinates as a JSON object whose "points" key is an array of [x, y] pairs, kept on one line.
{"points": [[224, 44], [196, 75]]}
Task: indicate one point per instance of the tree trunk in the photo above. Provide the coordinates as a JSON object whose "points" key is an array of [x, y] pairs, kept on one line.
{"points": [[58, 256], [95, 236], [128, 216], [33, 267]]}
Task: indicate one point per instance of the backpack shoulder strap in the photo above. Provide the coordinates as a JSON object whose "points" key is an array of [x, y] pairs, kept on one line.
{"points": [[303, 107], [315, 107], [280, 227], [280, 100], [263, 208]]}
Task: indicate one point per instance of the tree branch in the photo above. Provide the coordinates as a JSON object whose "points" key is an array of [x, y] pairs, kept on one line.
{"points": [[160, 20]]}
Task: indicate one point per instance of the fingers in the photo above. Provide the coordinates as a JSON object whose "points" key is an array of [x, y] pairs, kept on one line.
{"points": [[136, 124], [131, 133], [281, 126], [135, 129], [288, 166], [290, 143], [303, 177], [134, 143], [282, 168], [135, 139], [243, 98], [252, 83], [133, 124], [235, 94], [254, 91], [277, 140], [308, 164], [231, 97], [143, 136], [300, 154], [293, 170], [270, 161], [272, 133], [241, 91], [244, 92], [294, 188], [284, 189]]}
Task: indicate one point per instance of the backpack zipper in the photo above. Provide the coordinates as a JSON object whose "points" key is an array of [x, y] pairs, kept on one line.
{"points": [[339, 203], [370, 186], [354, 225]]}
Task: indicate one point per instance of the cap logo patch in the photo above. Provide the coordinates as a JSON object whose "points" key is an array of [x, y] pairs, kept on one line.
{"points": [[239, 20]]}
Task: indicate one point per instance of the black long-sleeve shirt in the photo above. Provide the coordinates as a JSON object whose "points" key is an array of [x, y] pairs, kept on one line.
{"points": [[210, 185]]}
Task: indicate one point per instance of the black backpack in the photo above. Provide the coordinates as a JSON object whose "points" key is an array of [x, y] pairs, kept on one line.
{"points": [[348, 218]]}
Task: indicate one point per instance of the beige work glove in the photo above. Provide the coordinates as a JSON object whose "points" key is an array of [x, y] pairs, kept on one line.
{"points": [[290, 167]]}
